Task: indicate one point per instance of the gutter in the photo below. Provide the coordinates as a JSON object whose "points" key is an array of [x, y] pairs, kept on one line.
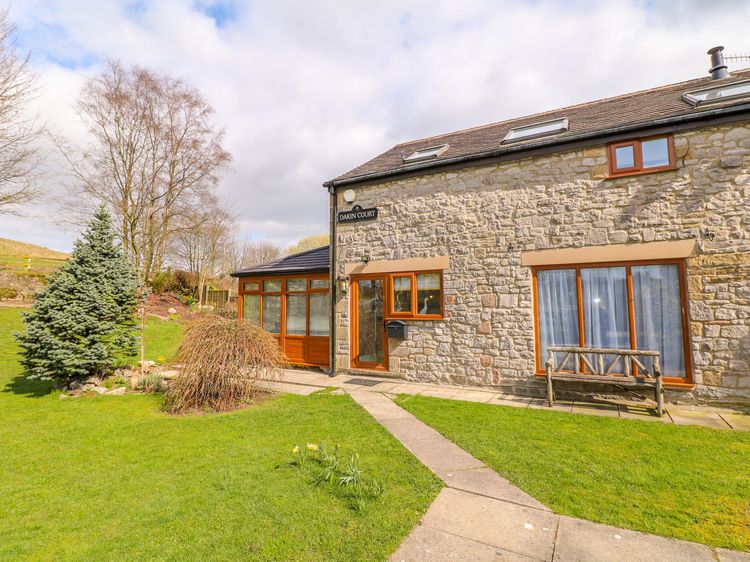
{"points": [[238, 274], [548, 146], [333, 211]]}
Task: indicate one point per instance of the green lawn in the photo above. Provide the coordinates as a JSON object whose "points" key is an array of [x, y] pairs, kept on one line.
{"points": [[162, 339], [113, 478], [690, 483]]}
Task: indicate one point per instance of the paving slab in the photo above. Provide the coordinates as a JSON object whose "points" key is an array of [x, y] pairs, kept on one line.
{"points": [[689, 417], [725, 555], [507, 556], [428, 544], [440, 455], [514, 528], [315, 379], [641, 412], [383, 387], [594, 409], [475, 396], [738, 421], [487, 482], [440, 392], [559, 405], [379, 406], [579, 541], [514, 401], [409, 389], [289, 388]]}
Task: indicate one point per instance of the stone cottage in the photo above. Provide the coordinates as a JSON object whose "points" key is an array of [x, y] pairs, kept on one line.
{"points": [[621, 223]]}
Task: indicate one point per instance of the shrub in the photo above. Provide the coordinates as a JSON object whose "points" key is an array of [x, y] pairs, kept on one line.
{"points": [[152, 382], [222, 362], [8, 293], [162, 281]]}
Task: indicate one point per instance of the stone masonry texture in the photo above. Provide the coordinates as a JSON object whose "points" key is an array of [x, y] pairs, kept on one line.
{"points": [[483, 217]]}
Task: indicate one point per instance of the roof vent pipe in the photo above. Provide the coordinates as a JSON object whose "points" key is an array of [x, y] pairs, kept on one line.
{"points": [[718, 66]]}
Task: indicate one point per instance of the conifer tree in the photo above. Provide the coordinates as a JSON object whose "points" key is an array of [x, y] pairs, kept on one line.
{"points": [[83, 320]]}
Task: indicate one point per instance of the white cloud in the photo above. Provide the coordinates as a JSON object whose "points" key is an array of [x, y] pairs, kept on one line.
{"points": [[308, 90]]}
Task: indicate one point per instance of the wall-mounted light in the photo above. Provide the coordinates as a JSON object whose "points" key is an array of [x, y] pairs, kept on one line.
{"points": [[343, 283], [365, 259]]}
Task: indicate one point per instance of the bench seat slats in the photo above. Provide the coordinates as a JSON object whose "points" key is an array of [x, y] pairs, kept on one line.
{"points": [[605, 379], [604, 375]]}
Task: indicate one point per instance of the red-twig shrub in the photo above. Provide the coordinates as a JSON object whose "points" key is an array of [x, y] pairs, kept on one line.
{"points": [[223, 361]]}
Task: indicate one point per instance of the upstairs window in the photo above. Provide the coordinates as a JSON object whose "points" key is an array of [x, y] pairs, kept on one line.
{"points": [[426, 153], [642, 156], [718, 93], [537, 130]]}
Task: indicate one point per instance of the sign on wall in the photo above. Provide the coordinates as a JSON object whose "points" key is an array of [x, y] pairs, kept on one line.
{"points": [[358, 214]]}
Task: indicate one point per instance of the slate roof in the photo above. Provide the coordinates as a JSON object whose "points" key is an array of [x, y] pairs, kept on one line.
{"points": [[635, 111], [309, 261]]}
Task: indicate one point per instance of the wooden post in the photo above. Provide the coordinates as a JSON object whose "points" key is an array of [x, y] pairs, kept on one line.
{"points": [[659, 388], [143, 336], [550, 394]]}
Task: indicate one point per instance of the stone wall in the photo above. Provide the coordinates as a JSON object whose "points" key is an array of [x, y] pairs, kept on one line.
{"points": [[484, 217]]}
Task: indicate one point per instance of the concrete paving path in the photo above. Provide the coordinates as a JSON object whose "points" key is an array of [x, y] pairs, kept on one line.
{"points": [[481, 516], [714, 417]]}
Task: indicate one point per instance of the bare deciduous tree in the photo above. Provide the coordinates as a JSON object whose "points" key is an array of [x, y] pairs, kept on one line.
{"points": [[309, 243], [19, 132], [253, 252], [156, 155], [202, 242]]}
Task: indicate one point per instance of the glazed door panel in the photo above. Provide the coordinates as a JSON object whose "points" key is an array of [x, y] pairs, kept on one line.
{"points": [[369, 326]]}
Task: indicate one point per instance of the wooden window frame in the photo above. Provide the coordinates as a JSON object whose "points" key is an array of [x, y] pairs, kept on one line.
{"points": [[390, 314], [676, 382], [391, 288], [283, 292], [354, 327], [638, 168]]}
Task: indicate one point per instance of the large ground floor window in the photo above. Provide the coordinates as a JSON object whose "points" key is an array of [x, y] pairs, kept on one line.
{"points": [[631, 305]]}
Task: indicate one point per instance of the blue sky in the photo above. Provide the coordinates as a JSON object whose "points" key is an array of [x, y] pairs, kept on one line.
{"points": [[308, 90]]}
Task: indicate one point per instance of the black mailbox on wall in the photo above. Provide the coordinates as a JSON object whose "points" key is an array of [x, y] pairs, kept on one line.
{"points": [[397, 329]]}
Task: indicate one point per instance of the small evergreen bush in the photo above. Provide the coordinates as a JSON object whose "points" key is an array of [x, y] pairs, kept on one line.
{"points": [[83, 320]]}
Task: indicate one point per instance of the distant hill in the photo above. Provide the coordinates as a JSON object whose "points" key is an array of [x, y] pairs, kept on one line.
{"points": [[14, 248]]}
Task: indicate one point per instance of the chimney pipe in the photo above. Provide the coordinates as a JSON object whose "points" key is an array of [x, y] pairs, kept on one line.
{"points": [[718, 68]]}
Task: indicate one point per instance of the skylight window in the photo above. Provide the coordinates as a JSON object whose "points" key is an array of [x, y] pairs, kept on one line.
{"points": [[718, 93], [537, 130], [426, 153]]}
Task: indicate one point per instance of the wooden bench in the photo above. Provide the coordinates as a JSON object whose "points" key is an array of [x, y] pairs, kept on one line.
{"points": [[587, 369]]}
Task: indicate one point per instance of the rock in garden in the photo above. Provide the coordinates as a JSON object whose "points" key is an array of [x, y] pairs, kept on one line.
{"points": [[172, 310], [88, 387], [63, 396], [170, 374], [74, 385], [119, 391], [146, 365], [96, 381], [100, 390]]}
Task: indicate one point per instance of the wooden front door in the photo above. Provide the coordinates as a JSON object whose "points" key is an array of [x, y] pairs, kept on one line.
{"points": [[369, 339]]}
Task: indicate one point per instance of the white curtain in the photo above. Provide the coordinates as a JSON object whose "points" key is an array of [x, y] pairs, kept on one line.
{"points": [[558, 310], [605, 310], [658, 315]]}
